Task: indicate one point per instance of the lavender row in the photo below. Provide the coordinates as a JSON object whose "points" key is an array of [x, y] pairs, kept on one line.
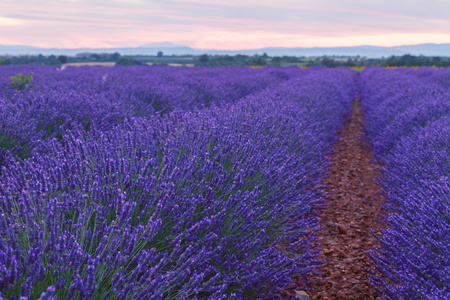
{"points": [[189, 205], [107, 96], [408, 121]]}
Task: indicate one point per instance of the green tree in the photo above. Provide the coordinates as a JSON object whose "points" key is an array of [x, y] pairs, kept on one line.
{"points": [[95, 57], [126, 61], [62, 59], [276, 61], [349, 63], [329, 63], [203, 58], [257, 61], [115, 56]]}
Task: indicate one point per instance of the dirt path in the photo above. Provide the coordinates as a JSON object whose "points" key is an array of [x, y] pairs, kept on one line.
{"points": [[350, 214]]}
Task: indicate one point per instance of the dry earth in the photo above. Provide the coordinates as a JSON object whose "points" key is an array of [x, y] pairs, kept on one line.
{"points": [[353, 207]]}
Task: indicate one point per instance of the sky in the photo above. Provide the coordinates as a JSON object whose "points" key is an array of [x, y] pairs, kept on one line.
{"points": [[223, 24]]}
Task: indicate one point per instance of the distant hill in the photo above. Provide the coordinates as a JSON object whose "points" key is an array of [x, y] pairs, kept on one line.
{"points": [[169, 48]]}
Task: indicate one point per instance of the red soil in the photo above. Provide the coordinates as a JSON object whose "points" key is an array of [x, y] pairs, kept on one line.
{"points": [[351, 212]]}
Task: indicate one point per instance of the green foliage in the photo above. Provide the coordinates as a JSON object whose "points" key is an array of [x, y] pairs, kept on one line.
{"points": [[62, 59], [416, 61], [21, 82], [329, 63], [203, 58], [115, 56], [257, 60], [126, 61], [31, 60], [276, 61], [246, 60]]}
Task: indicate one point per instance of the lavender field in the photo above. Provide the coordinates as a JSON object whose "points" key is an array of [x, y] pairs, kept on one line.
{"points": [[204, 183], [163, 183], [408, 124]]}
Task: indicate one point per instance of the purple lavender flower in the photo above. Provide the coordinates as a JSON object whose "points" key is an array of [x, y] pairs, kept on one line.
{"points": [[166, 183], [408, 122]]}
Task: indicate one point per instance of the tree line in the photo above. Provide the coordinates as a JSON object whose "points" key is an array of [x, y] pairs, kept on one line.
{"points": [[231, 60]]}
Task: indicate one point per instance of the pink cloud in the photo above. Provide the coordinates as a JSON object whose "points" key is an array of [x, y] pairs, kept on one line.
{"points": [[221, 24]]}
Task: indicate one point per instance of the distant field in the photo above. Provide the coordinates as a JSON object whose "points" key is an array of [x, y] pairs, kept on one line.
{"points": [[104, 64], [175, 65], [111, 64]]}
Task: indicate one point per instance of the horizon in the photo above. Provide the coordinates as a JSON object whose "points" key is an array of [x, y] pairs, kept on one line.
{"points": [[155, 46], [220, 25]]}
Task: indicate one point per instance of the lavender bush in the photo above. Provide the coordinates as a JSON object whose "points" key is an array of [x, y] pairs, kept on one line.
{"points": [[408, 122], [107, 96], [193, 203]]}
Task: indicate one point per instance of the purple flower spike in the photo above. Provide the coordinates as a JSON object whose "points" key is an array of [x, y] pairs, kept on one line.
{"points": [[48, 294]]}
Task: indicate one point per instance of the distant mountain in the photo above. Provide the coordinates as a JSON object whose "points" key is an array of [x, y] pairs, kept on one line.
{"points": [[169, 48], [427, 49], [367, 51]]}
